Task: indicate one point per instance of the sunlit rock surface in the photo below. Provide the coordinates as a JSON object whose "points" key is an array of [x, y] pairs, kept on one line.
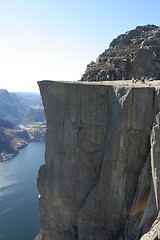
{"points": [[100, 180], [135, 53]]}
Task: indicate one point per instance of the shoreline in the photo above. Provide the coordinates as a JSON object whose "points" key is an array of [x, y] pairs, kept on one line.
{"points": [[6, 157], [19, 139]]}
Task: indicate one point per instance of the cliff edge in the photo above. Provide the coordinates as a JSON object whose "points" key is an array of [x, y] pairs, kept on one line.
{"points": [[100, 179]]}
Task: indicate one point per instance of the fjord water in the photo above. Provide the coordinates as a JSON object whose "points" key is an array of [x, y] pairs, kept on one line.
{"points": [[19, 214]]}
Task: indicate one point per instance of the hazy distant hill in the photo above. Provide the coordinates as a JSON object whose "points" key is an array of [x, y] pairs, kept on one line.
{"points": [[11, 107], [35, 111], [24, 108], [29, 98], [21, 107], [35, 114]]}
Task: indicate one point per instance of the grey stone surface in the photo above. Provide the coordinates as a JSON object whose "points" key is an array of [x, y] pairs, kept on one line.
{"points": [[155, 157], [154, 233], [96, 183], [135, 53]]}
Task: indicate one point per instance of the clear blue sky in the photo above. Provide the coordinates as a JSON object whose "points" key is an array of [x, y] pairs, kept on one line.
{"points": [[56, 39]]}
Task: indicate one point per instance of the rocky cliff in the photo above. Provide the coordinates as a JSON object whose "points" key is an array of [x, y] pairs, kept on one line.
{"points": [[100, 180], [135, 53], [12, 139]]}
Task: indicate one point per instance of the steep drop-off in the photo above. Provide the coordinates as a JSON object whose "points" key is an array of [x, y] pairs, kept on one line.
{"points": [[100, 180]]}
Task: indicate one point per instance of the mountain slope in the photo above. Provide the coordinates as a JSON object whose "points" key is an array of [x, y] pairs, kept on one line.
{"points": [[11, 108], [133, 54], [12, 139], [35, 114], [29, 98], [21, 108]]}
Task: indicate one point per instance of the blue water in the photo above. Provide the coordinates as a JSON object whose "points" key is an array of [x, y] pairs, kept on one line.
{"points": [[21, 126], [19, 215]]}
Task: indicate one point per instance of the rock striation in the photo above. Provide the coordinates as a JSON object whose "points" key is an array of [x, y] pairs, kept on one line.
{"points": [[133, 54], [100, 180]]}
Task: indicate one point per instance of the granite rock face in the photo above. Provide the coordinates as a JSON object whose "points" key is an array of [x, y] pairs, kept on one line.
{"points": [[100, 180], [135, 53]]}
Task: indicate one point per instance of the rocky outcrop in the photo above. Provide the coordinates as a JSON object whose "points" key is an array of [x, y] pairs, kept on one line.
{"points": [[12, 139], [133, 54], [36, 131], [35, 115], [100, 179]]}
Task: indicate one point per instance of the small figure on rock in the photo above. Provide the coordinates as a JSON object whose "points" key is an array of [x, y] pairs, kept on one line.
{"points": [[82, 77], [88, 77], [142, 79], [108, 77]]}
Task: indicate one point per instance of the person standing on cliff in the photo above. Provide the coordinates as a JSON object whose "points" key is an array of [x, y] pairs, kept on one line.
{"points": [[142, 79], [88, 77], [107, 77], [82, 77]]}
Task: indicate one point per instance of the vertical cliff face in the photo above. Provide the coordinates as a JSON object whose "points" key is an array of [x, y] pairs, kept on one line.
{"points": [[101, 177]]}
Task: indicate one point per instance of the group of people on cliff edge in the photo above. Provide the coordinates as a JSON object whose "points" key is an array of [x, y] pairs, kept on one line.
{"points": [[143, 79]]}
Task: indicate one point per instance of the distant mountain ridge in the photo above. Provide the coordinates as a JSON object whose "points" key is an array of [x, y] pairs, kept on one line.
{"points": [[24, 108], [11, 108], [29, 98], [21, 107], [35, 114]]}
